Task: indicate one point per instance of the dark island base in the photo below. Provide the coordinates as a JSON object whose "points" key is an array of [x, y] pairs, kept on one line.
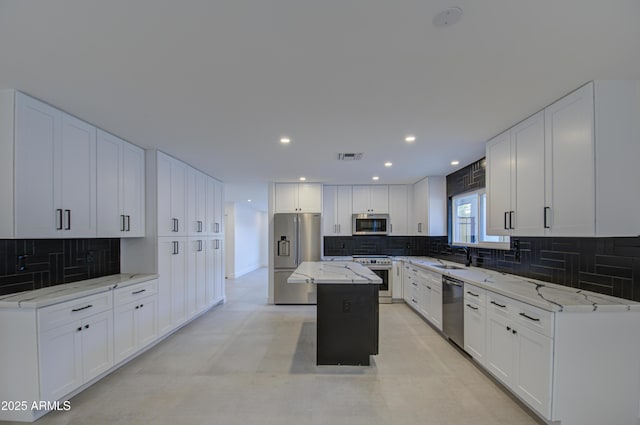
{"points": [[347, 326]]}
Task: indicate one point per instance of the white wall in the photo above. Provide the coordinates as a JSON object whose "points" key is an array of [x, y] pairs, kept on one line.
{"points": [[246, 239]]}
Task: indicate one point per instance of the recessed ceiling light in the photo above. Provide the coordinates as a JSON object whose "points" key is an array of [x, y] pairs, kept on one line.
{"points": [[248, 200], [410, 139], [285, 140], [388, 164], [455, 162], [302, 179], [375, 178]]}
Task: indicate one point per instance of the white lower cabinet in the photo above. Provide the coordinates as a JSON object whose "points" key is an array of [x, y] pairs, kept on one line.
{"points": [[422, 290], [135, 318], [75, 344], [172, 288], [572, 366], [196, 276], [475, 319], [518, 355]]}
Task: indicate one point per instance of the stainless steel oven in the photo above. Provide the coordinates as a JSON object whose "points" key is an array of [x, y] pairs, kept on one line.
{"points": [[382, 266]]}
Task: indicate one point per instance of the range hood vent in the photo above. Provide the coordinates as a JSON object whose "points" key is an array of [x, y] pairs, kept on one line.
{"points": [[350, 156]]}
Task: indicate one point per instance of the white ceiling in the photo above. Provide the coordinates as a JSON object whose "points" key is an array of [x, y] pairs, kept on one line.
{"points": [[217, 83]]}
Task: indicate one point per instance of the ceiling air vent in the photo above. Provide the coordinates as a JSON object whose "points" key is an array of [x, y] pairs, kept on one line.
{"points": [[350, 156]]}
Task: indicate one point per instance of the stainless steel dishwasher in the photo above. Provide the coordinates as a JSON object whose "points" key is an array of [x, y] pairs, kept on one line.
{"points": [[453, 309]]}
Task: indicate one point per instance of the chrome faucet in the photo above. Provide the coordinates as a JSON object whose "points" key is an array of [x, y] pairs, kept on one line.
{"points": [[467, 251]]}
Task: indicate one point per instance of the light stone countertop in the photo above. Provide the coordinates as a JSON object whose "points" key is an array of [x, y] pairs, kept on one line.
{"points": [[545, 295], [334, 272], [69, 291]]}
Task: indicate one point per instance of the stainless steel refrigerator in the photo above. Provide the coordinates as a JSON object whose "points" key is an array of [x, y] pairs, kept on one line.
{"points": [[297, 239]]}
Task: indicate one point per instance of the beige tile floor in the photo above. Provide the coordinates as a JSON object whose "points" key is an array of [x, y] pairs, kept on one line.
{"points": [[247, 362]]}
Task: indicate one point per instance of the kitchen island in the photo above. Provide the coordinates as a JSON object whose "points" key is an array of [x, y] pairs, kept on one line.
{"points": [[347, 310]]}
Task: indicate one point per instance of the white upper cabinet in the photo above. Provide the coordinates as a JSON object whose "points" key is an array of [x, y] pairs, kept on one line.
{"points": [[370, 199], [498, 181], [398, 210], [571, 169], [37, 150], [570, 159], [298, 197], [196, 202], [336, 210], [515, 176], [171, 196], [429, 215], [121, 191], [55, 172], [214, 207]]}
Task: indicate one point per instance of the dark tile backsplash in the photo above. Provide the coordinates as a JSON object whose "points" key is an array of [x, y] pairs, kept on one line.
{"points": [[605, 265], [38, 263]]}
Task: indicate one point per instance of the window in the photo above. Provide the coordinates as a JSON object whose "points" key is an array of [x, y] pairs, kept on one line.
{"points": [[469, 222]]}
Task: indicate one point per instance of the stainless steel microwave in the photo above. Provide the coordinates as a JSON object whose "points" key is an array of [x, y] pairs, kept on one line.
{"points": [[370, 224]]}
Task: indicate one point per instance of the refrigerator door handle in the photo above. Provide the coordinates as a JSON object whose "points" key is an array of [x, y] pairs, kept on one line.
{"points": [[297, 220]]}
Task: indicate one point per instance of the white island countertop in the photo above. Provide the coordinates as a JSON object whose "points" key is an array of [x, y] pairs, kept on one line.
{"points": [[335, 272], [60, 293], [545, 295]]}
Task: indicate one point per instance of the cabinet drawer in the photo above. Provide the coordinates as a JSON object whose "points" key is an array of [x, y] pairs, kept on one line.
{"points": [[534, 318], [134, 292], [434, 279], [499, 304], [414, 296], [59, 314], [474, 294]]}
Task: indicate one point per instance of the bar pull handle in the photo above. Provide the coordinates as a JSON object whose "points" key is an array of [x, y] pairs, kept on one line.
{"points": [[472, 294], [535, 319], [546, 223], [68, 214], [176, 248], [59, 219], [511, 219], [390, 228], [82, 308], [472, 307], [122, 223], [505, 220], [138, 292], [175, 224], [499, 305], [128, 223], [199, 245]]}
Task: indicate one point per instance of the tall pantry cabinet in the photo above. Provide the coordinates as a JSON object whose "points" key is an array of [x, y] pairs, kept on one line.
{"points": [[184, 243]]}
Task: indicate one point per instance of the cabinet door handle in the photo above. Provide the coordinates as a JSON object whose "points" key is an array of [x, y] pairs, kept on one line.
{"points": [[68, 213], [199, 245], [472, 307], [505, 220], [82, 308], [176, 248], [535, 319], [546, 223], [390, 228], [199, 226], [59, 219], [122, 223], [472, 294], [499, 305], [79, 329], [86, 326], [138, 292], [511, 220], [175, 224], [128, 223]]}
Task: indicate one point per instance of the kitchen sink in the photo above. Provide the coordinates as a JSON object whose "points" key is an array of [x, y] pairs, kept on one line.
{"points": [[446, 266]]}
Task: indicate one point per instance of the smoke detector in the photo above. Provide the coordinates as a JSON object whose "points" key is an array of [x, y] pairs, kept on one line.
{"points": [[350, 156], [448, 17]]}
